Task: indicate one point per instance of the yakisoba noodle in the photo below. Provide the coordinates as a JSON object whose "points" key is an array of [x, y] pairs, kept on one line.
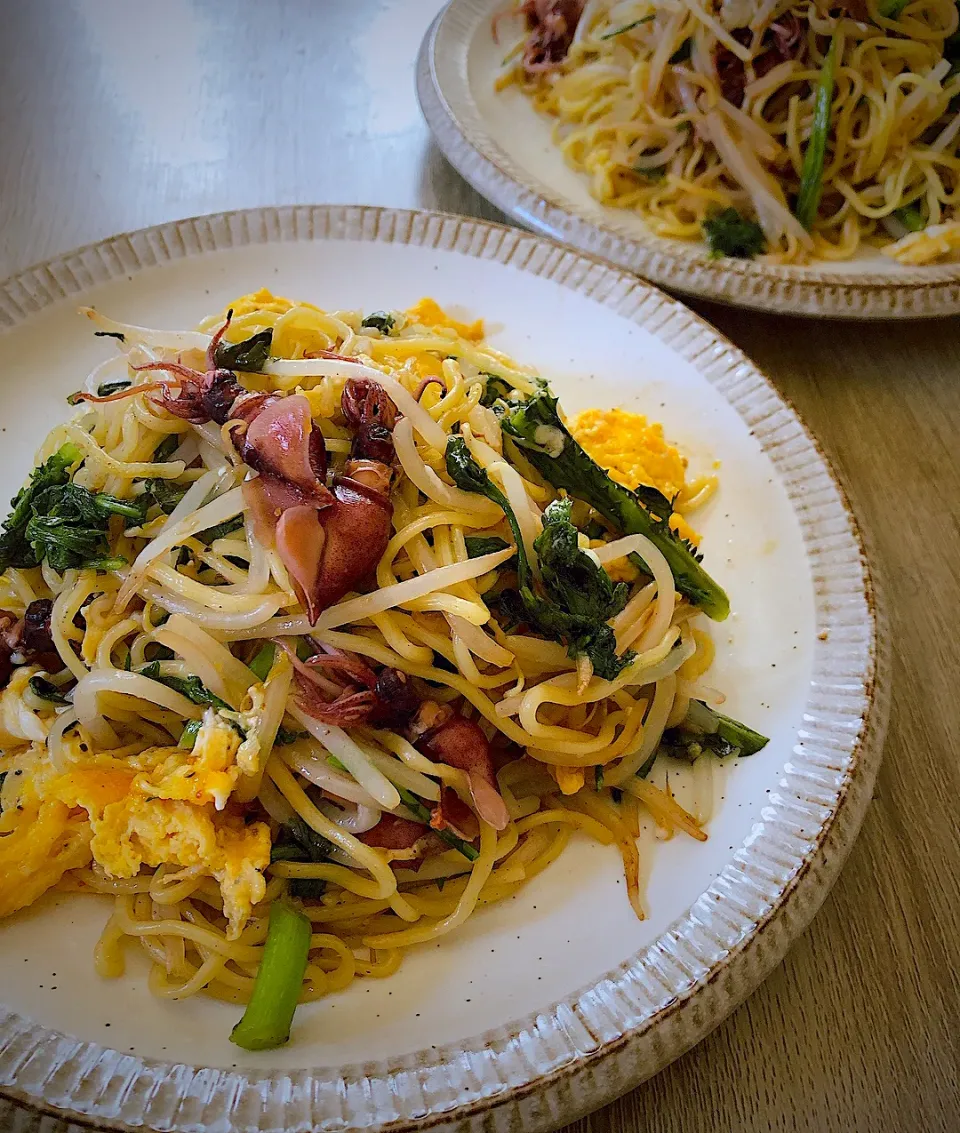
{"points": [[682, 109], [320, 633]]}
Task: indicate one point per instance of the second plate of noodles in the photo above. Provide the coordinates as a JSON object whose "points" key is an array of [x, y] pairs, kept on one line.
{"points": [[796, 131], [322, 630], [801, 158]]}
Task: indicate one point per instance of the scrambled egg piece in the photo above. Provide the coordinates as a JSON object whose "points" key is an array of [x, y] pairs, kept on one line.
{"points": [[429, 366], [137, 831], [46, 842], [205, 775], [263, 300], [163, 806], [634, 452], [937, 242], [430, 314]]}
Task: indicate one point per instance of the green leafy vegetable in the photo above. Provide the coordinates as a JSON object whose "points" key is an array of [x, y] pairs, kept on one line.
{"points": [[650, 173], [581, 592], [421, 813], [166, 494], [188, 737], [63, 544], [166, 448], [190, 687], [644, 511], [578, 597], [811, 175], [15, 550], [276, 990], [495, 389], [479, 545], [739, 735], [705, 729], [221, 530], [61, 523], [298, 842], [911, 218], [467, 474], [288, 736], [570, 575], [87, 506], [647, 765], [314, 846], [46, 690], [682, 54], [250, 355], [381, 321], [598, 777], [730, 234], [261, 665], [891, 9], [105, 389], [628, 27]]}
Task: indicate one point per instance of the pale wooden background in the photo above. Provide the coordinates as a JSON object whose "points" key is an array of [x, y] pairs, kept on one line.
{"points": [[116, 114]]}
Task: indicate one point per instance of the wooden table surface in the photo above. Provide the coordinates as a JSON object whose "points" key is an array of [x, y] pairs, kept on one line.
{"points": [[116, 114]]}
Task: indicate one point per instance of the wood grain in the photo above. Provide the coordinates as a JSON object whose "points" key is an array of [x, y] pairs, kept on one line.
{"points": [[115, 115]]}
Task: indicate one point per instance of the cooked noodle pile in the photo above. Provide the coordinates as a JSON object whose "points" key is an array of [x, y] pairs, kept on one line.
{"points": [[825, 126], [320, 632]]}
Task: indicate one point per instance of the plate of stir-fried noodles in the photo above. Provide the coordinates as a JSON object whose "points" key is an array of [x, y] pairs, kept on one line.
{"points": [[802, 157], [427, 658]]}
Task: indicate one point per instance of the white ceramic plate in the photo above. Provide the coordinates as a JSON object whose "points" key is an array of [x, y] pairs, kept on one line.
{"points": [[503, 147], [554, 1002]]}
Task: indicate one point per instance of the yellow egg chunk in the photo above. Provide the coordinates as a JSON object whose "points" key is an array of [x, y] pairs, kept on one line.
{"points": [[47, 842], [634, 452], [431, 314], [429, 366], [207, 774], [163, 806], [632, 449], [260, 301], [140, 831], [934, 243]]}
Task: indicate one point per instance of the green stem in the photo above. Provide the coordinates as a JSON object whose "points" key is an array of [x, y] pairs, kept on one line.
{"points": [[422, 814], [811, 176], [276, 990], [746, 739], [628, 27], [261, 665]]}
